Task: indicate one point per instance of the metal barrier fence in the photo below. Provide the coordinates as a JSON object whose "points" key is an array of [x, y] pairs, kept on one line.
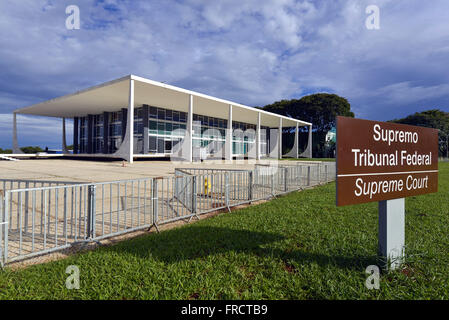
{"points": [[11, 184], [3, 231], [15, 224], [41, 219]]}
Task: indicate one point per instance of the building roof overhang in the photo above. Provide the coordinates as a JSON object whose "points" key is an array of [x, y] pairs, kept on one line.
{"points": [[114, 96]]}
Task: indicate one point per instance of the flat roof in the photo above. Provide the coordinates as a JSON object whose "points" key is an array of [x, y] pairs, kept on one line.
{"points": [[114, 95]]}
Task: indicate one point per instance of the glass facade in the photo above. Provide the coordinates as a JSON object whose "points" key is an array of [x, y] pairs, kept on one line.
{"points": [[115, 131], [165, 129], [98, 133], [243, 137], [138, 130], [83, 135], [209, 134]]}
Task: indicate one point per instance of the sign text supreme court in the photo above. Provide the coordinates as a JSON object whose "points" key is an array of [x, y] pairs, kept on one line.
{"points": [[381, 161]]}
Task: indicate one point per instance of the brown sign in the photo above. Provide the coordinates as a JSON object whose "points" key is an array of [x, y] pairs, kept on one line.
{"points": [[382, 161]]}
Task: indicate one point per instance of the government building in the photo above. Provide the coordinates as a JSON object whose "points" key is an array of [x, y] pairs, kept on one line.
{"points": [[134, 117]]}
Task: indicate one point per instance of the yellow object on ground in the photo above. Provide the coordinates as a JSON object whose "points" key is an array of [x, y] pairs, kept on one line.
{"points": [[207, 186]]}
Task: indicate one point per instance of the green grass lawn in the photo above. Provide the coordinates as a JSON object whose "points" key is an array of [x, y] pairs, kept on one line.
{"points": [[299, 246]]}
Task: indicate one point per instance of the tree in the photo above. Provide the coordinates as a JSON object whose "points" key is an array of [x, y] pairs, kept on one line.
{"points": [[321, 109], [5, 151], [31, 149], [434, 118]]}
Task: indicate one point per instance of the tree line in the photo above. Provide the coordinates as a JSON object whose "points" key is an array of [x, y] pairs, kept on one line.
{"points": [[321, 109], [29, 149]]}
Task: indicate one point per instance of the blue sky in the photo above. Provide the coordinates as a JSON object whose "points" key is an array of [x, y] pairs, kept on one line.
{"points": [[253, 52]]}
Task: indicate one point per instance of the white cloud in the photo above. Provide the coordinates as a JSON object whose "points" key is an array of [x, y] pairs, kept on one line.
{"points": [[251, 52]]}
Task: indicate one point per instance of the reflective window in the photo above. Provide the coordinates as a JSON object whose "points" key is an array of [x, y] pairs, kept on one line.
{"points": [[209, 132], [152, 127], [183, 117], [161, 128], [168, 115], [153, 113]]}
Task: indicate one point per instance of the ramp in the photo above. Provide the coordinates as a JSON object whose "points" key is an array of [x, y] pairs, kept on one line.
{"points": [[8, 158]]}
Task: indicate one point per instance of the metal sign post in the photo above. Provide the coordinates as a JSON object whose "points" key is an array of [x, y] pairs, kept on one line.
{"points": [[392, 232]]}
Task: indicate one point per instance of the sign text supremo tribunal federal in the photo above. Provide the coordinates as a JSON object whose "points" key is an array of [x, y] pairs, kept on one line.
{"points": [[382, 161]]}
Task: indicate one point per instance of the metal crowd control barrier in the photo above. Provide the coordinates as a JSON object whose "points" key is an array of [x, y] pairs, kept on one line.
{"points": [[18, 221], [38, 217], [11, 184], [3, 231]]}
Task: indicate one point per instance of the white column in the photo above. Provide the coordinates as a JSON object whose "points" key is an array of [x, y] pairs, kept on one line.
{"points": [[130, 124], [308, 152], [293, 153], [228, 140], [189, 144], [258, 137], [15, 144], [296, 141], [280, 138], [310, 141]]}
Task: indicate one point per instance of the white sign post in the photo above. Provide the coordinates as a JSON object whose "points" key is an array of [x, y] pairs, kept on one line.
{"points": [[392, 232]]}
